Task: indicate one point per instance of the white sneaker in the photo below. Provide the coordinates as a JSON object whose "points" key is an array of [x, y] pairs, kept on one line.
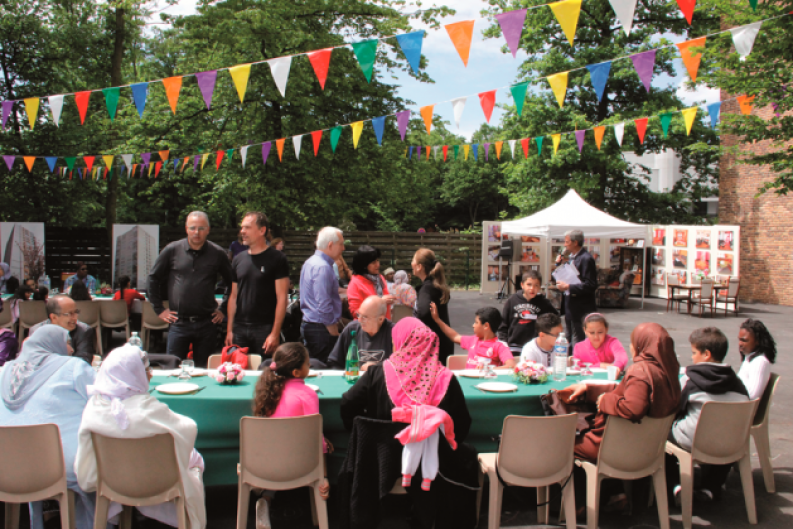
{"points": [[263, 514]]}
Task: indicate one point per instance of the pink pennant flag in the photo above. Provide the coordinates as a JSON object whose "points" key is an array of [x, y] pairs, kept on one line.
{"points": [[512, 26], [579, 139], [402, 121], [487, 152]]}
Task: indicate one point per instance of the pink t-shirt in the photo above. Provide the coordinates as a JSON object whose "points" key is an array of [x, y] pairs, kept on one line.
{"points": [[498, 353], [610, 352], [297, 400]]}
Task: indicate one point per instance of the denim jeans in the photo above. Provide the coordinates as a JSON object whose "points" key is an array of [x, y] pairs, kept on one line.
{"points": [[318, 340], [201, 334], [252, 336]]}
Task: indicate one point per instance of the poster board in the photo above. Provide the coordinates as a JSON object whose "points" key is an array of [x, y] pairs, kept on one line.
{"points": [[135, 248], [22, 248]]}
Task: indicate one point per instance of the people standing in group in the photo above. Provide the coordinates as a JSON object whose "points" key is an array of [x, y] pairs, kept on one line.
{"points": [[367, 281], [342, 271], [404, 293], [388, 274], [127, 293], [319, 296], [758, 352], [82, 275], [188, 269], [278, 244], [433, 289], [578, 300], [63, 312], [236, 247], [520, 312], [259, 290]]}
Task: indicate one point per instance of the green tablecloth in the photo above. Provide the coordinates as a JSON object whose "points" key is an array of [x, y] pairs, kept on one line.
{"points": [[217, 411]]}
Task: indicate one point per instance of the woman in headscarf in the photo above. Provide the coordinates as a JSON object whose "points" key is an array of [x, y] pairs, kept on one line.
{"points": [[5, 273], [121, 407], [45, 385], [366, 280], [404, 293]]}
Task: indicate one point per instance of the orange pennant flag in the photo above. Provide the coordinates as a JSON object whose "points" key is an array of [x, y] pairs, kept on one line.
{"points": [[689, 60], [172, 87], [499, 144], [428, 149], [426, 114], [279, 144], [461, 33], [29, 160], [134, 168], [164, 155], [746, 104], [184, 163], [599, 132]]}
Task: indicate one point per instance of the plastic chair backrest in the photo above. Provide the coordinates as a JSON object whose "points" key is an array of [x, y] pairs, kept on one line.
{"points": [[633, 449], [722, 432], [113, 312], [672, 279], [31, 312], [213, 362], [89, 312], [31, 460], [732, 288], [254, 361], [550, 459], [456, 362], [5, 316], [400, 311], [764, 406], [706, 292], [150, 318]]}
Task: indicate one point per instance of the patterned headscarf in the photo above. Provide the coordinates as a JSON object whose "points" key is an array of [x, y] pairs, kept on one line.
{"points": [[415, 358]]}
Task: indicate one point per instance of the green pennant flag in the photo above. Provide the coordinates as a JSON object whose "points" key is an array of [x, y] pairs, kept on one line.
{"points": [[519, 95], [70, 161], [666, 119], [753, 3], [335, 134], [538, 139], [366, 53], [456, 151], [229, 152], [111, 100]]}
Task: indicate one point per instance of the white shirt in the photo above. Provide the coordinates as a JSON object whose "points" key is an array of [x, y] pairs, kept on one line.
{"points": [[532, 352], [755, 373]]}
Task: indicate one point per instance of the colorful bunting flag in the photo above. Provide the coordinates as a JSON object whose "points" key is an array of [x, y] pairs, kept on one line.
{"points": [[51, 161], [403, 118], [7, 107], [204, 158], [713, 111], [745, 102], [687, 7], [691, 61], [475, 148], [335, 134], [379, 125], [70, 162], [108, 159], [599, 132], [458, 105], [743, 36], [488, 101], [32, 109], [512, 147], [320, 61], [172, 87], [146, 157], [427, 149], [524, 143], [466, 150], [624, 9], [641, 128], [579, 139], [445, 152], [157, 168], [366, 53], [195, 165], [461, 33], [164, 155], [265, 151], [357, 128], [279, 147], [619, 132], [499, 144], [218, 159], [140, 91], [556, 138], [538, 139], [279, 68], [426, 115], [240, 75], [112, 96], [753, 3], [599, 75], [456, 151], [128, 161], [29, 161], [206, 83], [644, 63], [297, 142], [511, 24], [411, 47], [56, 105], [316, 138], [244, 154], [518, 92], [558, 84], [566, 13], [666, 119], [81, 98], [151, 167], [89, 161], [487, 151], [689, 114]]}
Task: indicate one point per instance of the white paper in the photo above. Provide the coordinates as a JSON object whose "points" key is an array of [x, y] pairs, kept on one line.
{"points": [[567, 273]]}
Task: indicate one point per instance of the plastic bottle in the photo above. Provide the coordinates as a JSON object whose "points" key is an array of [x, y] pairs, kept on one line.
{"points": [[135, 340], [560, 349], [351, 366]]}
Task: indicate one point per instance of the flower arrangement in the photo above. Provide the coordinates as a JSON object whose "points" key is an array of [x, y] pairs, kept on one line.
{"points": [[229, 373], [531, 372]]}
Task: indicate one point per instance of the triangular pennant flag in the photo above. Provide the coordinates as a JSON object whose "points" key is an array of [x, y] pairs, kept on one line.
{"points": [[713, 110], [157, 168], [107, 170], [279, 68], [316, 137], [218, 159], [466, 150], [599, 75], [196, 159], [81, 98], [519, 95], [206, 83], [511, 24], [366, 53], [128, 161], [666, 119], [461, 33], [111, 100], [29, 161], [335, 134], [184, 163], [244, 154], [689, 115], [488, 101], [445, 152], [619, 132], [641, 128], [599, 132], [556, 138], [566, 13], [32, 109], [140, 91], [7, 107], [745, 102], [240, 75], [524, 143], [690, 60], [70, 162], [499, 144], [146, 157], [279, 147], [151, 168], [403, 118], [320, 61], [108, 159], [644, 63], [80, 172], [410, 152], [743, 36], [265, 151], [89, 161], [426, 115], [56, 105], [411, 47], [475, 148], [297, 142], [427, 150], [558, 84], [51, 161], [753, 3], [229, 154], [687, 7], [487, 152], [164, 155], [538, 139], [175, 164], [458, 105], [204, 158], [512, 147], [435, 150], [624, 9], [379, 125], [357, 128], [579, 139]]}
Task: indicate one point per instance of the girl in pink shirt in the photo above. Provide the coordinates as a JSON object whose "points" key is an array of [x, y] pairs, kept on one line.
{"points": [[599, 349]]}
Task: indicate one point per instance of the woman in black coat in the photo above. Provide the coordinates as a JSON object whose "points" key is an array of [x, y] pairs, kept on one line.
{"points": [[433, 289]]}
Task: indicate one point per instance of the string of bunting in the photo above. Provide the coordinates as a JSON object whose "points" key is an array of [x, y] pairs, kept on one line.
{"points": [[461, 33]]}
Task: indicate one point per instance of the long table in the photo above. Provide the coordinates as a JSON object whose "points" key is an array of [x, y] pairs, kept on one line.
{"points": [[218, 409]]}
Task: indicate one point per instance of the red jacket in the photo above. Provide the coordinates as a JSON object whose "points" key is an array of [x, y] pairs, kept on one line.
{"points": [[130, 295], [361, 288]]}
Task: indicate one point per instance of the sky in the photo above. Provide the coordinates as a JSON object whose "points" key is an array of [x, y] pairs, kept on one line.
{"points": [[488, 69]]}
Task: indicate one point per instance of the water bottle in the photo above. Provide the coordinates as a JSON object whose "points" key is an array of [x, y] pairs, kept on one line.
{"points": [[560, 349], [135, 340], [351, 366]]}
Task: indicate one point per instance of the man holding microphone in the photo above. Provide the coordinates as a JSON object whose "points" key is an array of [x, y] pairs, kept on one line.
{"points": [[578, 300]]}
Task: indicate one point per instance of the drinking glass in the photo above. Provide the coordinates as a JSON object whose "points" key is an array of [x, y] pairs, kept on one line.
{"points": [[586, 371], [188, 365]]}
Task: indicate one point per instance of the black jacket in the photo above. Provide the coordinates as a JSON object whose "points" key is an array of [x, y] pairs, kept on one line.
{"points": [[519, 316], [582, 297], [429, 294]]}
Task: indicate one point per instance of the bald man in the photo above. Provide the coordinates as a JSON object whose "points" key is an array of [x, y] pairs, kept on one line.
{"points": [[372, 332]]}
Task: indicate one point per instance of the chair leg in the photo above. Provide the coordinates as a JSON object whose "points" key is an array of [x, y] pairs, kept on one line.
{"points": [[568, 505], [542, 510], [745, 467], [763, 444], [592, 498], [314, 520], [100, 516], [181, 513], [126, 516], [98, 329], [66, 506], [687, 488], [494, 507], [12, 516], [126, 326], [479, 495], [321, 508], [659, 484], [243, 500]]}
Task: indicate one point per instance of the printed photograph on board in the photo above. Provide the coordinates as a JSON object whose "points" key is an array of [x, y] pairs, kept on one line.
{"points": [[494, 233], [680, 258], [681, 275], [594, 252], [726, 241], [681, 239], [492, 252], [135, 248], [522, 269], [659, 256], [22, 249], [616, 241], [703, 239], [530, 255], [529, 238], [702, 263], [492, 273], [614, 254], [724, 264], [659, 237], [659, 277]]}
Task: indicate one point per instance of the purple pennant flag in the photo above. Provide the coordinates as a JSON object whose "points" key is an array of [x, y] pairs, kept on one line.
{"points": [[512, 26], [9, 160], [206, 82], [7, 106], [579, 139], [644, 63], [487, 152], [266, 151], [402, 121], [146, 157], [195, 163]]}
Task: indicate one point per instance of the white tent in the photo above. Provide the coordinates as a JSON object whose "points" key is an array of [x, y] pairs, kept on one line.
{"points": [[573, 213]]}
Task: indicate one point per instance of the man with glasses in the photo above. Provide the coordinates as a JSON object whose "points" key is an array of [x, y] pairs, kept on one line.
{"points": [[62, 311], [188, 269], [372, 334], [82, 274]]}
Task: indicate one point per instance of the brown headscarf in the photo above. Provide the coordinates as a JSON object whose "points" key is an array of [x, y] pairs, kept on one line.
{"points": [[656, 363]]}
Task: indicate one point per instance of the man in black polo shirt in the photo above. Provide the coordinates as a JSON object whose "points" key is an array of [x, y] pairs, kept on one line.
{"points": [[189, 268], [259, 290]]}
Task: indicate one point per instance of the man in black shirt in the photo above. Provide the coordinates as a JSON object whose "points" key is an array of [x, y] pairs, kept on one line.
{"points": [[259, 290], [189, 268]]}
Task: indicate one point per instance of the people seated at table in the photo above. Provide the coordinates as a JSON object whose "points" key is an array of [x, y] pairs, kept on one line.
{"points": [[45, 385], [540, 349], [121, 407], [366, 280], [758, 352], [520, 312], [371, 331], [9, 345], [404, 293], [62, 311], [5, 275], [483, 345], [127, 293], [41, 294], [22, 293], [79, 292], [600, 349], [82, 276], [31, 284], [433, 289]]}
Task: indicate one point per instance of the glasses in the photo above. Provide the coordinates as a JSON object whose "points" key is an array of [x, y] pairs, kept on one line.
{"points": [[75, 312], [82, 269], [197, 228]]}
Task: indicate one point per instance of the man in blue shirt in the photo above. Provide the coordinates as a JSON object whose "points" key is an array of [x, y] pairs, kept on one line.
{"points": [[83, 275], [319, 296]]}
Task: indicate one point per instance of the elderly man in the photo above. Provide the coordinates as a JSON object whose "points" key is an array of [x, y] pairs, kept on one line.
{"points": [[578, 300], [82, 274], [62, 311], [372, 333], [319, 295]]}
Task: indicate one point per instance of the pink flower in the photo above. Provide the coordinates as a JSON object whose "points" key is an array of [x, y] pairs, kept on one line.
{"points": [[240, 377], [220, 378], [230, 377]]}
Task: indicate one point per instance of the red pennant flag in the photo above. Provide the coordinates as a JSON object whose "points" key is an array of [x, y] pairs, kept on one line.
{"points": [[316, 137], [687, 7], [488, 101], [219, 159], [428, 149], [107, 170], [641, 128], [89, 161], [157, 168], [525, 144], [320, 60], [745, 102], [445, 152], [81, 98], [71, 173]]}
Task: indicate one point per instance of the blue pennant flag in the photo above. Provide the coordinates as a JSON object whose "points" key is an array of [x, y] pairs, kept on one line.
{"points": [[410, 153], [175, 163], [599, 73], [713, 110], [139, 93], [411, 47], [51, 161], [379, 125], [80, 172], [475, 148]]}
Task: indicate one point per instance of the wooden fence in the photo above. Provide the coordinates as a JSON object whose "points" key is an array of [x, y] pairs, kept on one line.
{"points": [[65, 247]]}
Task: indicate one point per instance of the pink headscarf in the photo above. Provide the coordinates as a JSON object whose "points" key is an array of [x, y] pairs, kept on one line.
{"points": [[415, 362]]}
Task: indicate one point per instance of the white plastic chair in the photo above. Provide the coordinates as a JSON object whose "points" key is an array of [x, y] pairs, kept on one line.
{"points": [[113, 315], [759, 432], [89, 314], [705, 296], [400, 311], [6, 319], [151, 322], [456, 362], [30, 313], [733, 287]]}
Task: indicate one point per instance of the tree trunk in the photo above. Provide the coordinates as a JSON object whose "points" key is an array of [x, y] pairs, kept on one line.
{"points": [[115, 80]]}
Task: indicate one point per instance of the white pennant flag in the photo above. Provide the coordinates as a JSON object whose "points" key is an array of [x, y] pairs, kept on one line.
{"points": [[280, 70], [743, 38], [296, 141], [244, 153], [512, 147], [619, 131], [435, 150], [56, 105], [127, 161], [458, 105], [624, 9]]}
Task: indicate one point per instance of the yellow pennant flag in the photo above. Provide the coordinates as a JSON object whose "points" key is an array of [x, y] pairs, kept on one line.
{"points": [[566, 13], [558, 84], [108, 158], [240, 74], [93, 173], [151, 168], [29, 160], [499, 144], [556, 138], [466, 148], [689, 114], [406, 154], [32, 108], [426, 114], [204, 160], [357, 128]]}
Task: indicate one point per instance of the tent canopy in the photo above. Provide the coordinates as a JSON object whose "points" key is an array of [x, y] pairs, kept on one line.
{"points": [[573, 213]]}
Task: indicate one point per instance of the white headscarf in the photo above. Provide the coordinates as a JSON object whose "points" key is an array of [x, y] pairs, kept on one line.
{"points": [[122, 375], [400, 277]]}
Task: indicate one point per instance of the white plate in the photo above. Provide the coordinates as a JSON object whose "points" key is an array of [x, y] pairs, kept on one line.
{"points": [[312, 386], [177, 388], [497, 387], [469, 373], [573, 372], [312, 373]]}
